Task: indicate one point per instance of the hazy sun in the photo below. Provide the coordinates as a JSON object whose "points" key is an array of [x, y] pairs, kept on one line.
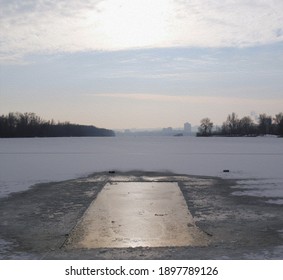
{"points": [[135, 23]]}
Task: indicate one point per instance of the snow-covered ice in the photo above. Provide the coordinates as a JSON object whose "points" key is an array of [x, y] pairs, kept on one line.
{"points": [[268, 188], [256, 162]]}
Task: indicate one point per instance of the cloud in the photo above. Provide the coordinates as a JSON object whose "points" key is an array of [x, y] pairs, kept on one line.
{"points": [[33, 26], [232, 23], [153, 110], [54, 26], [219, 100]]}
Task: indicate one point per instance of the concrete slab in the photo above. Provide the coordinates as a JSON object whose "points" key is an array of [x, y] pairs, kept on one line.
{"points": [[137, 214]]}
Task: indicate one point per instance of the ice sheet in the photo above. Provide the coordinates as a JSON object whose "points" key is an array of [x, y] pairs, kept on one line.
{"points": [[269, 188], [24, 162]]}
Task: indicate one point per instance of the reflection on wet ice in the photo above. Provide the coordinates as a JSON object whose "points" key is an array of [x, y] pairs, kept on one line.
{"points": [[132, 214]]}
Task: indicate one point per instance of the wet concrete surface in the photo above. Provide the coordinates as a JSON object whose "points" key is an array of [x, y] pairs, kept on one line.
{"points": [[39, 223], [137, 214]]}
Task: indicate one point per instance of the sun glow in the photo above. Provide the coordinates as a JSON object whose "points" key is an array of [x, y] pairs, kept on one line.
{"points": [[135, 23]]}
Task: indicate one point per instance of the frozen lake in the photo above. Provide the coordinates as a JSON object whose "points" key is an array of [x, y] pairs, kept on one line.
{"points": [[24, 162]]}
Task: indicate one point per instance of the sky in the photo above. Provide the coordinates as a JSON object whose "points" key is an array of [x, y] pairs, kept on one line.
{"points": [[141, 63]]}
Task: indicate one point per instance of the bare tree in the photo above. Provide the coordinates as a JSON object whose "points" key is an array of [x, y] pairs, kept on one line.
{"points": [[231, 126], [278, 118], [205, 127], [265, 124], [246, 126], [278, 122]]}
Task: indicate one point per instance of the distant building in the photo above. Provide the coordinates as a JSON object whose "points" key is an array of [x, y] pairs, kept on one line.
{"points": [[127, 131], [187, 128], [167, 131]]}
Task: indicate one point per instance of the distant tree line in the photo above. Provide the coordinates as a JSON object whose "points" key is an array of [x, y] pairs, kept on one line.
{"points": [[31, 125], [233, 126]]}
